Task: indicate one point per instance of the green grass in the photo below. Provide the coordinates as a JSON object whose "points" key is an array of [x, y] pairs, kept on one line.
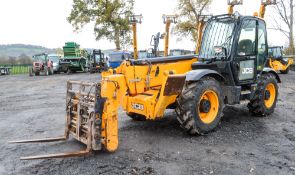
{"points": [[18, 69]]}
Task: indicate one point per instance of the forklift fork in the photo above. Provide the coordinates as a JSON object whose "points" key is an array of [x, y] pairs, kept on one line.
{"points": [[83, 121]]}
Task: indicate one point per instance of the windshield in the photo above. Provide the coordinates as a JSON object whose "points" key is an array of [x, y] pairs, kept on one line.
{"points": [[97, 57], [54, 58], [39, 58], [218, 32], [116, 57], [275, 52]]}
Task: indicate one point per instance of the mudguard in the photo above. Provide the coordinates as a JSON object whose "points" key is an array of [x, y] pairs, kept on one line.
{"points": [[270, 70], [195, 75]]}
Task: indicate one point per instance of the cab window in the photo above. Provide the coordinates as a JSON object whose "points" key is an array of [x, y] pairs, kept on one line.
{"points": [[246, 44], [261, 47]]}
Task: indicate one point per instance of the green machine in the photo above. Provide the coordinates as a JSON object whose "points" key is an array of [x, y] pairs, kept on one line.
{"points": [[75, 59]]}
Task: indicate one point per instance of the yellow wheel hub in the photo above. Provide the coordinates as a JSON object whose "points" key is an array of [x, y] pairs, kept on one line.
{"points": [[208, 106], [270, 95]]}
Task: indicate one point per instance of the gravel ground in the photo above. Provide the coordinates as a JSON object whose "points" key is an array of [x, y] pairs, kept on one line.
{"points": [[34, 107]]}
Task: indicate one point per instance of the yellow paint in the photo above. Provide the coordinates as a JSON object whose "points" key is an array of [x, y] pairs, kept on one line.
{"points": [[272, 91], [168, 24], [134, 29], [279, 66], [113, 88], [210, 116]]}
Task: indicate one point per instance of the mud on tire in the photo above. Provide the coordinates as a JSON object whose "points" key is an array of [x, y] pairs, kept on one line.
{"points": [[257, 105], [188, 106]]}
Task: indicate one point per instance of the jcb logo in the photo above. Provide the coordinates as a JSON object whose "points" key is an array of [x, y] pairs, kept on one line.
{"points": [[137, 106], [247, 71]]}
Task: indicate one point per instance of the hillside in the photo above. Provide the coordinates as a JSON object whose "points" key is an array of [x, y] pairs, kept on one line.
{"points": [[15, 50]]}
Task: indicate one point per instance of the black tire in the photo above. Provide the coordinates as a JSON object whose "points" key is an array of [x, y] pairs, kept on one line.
{"points": [[257, 106], [69, 71], [188, 106], [46, 71], [136, 117], [50, 71], [37, 73], [31, 72], [285, 71]]}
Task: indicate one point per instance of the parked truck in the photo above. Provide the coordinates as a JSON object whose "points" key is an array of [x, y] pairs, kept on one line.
{"points": [[75, 59]]}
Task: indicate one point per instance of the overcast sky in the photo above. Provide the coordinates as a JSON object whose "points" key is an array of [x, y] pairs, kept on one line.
{"points": [[43, 22]]}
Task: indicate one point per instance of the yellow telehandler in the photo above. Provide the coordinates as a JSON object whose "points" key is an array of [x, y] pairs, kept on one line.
{"points": [[196, 86], [276, 60]]}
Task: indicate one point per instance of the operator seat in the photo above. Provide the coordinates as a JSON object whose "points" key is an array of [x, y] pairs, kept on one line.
{"points": [[245, 47]]}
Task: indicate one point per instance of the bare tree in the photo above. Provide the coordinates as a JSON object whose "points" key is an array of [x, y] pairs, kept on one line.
{"points": [[284, 10]]}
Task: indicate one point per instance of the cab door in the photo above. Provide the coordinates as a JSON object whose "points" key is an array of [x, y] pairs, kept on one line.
{"points": [[245, 59]]}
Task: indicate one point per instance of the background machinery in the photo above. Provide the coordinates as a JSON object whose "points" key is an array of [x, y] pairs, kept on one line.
{"points": [[75, 59], [225, 73], [41, 65], [276, 59], [97, 62], [155, 41], [133, 20], [168, 20]]}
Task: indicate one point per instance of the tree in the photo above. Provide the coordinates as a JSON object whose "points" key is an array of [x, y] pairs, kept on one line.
{"points": [[110, 18], [24, 59], [284, 10], [188, 12]]}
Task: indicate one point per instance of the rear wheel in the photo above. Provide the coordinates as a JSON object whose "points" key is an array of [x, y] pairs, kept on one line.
{"points": [[285, 71], [200, 106], [265, 97], [46, 72]]}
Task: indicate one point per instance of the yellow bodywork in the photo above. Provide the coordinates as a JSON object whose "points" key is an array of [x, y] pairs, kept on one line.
{"points": [[139, 89], [278, 65]]}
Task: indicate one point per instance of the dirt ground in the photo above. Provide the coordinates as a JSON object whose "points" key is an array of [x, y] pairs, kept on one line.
{"points": [[34, 107]]}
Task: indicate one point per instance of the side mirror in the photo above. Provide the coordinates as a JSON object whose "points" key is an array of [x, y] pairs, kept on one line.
{"points": [[220, 51]]}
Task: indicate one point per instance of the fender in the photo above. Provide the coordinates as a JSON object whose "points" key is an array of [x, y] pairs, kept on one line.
{"points": [[272, 71], [195, 75]]}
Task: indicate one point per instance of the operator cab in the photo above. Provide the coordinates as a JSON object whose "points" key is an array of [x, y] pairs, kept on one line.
{"points": [[235, 46], [275, 52]]}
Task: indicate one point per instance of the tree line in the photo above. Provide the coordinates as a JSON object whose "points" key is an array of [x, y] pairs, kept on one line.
{"points": [[12, 60]]}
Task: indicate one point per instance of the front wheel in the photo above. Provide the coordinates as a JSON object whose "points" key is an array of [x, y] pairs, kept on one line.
{"points": [[200, 106], [265, 98]]}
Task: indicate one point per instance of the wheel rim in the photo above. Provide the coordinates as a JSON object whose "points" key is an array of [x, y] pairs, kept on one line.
{"points": [[207, 116], [269, 99]]}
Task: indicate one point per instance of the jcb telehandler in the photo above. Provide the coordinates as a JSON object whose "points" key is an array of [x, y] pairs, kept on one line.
{"points": [[197, 87], [276, 60]]}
